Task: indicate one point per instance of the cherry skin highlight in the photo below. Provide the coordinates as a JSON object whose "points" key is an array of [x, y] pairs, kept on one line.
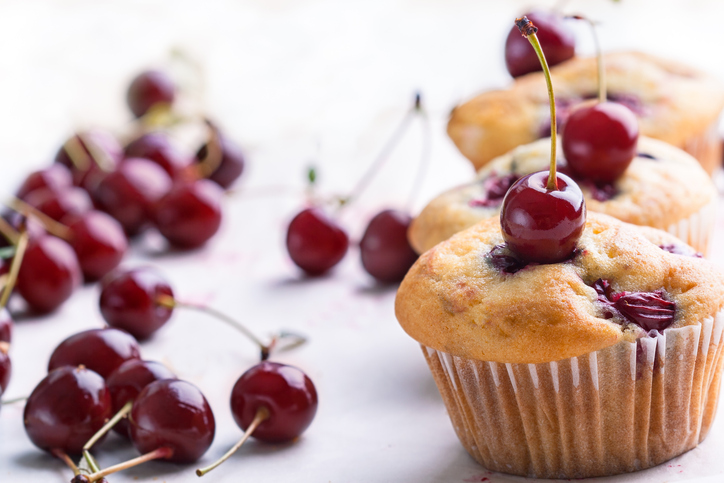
{"points": [[286, 392], [190, 214], [556, 39], [539, 225], [53, 177], [61, 202], [157, 147], [599, 141], [386, 253], [231, 166], [126, 382], [173, 414], [129, 301], [6, 325], [99, 243], [100, 350], [149, 89], [315, 242], [89, 176], [49, 273], [66, 409]]}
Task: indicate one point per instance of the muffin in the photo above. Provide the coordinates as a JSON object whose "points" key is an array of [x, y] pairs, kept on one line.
{"points": [[663, 188], [609, 362], [674, 103]]}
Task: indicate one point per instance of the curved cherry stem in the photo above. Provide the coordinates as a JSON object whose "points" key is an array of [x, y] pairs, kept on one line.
{"points": [[53, 227], [214, 152], [14, 267], [160, 453], [262, 414], [599, 57], [4, 347], [122, 413], [83, 153], [528, 30], [426, 152], [14, 400], [7, 231], [61, 455]]}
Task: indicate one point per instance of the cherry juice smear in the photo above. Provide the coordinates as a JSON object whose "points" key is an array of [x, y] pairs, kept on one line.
{"points": [[649, 310], [494, 189], [680, 249], [504, 261]]}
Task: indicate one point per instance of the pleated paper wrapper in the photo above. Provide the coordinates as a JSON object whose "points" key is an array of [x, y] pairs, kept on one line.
{"points": [[628, 407], [697, 229]]}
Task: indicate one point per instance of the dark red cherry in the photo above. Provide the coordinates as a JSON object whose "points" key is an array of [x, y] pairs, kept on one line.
{"points": [[129, 301], [126, 382], [316, 242], [599, 141], [96, 144], [286, 392], [100, 350], [6, 325], [66, 409], [53, 177], [48, 274], [190, 214], [173, 414], [231, 166], [556, 39], [99, 243], [149, 89], [540, 225], [6, 367], [129, 193], [157, 147], [386, 253], [61, 202]]}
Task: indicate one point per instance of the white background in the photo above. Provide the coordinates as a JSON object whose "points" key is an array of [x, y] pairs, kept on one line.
{"points": [[294, 81]]}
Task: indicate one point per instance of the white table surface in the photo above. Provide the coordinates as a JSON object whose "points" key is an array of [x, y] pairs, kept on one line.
{"points": [[293, 81]]}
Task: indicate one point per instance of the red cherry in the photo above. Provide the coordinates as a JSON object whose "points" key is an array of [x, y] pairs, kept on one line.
{"points": [[128, 193], [599, 141], [61, 202], [6, 326], [157, 147], [129, 301], [190, 214], [99, 243], [48, 274], [540, 225], [126, 382], [6, 367], [231, 166], [100, 350], [172, 414], [148, 89], [386, 253], [556, 38], [53, 177], [66, 409], [315, 242], [101, 142], [285, 391]]}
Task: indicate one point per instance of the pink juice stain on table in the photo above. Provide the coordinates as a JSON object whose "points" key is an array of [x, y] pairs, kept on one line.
{"points": [[476, 479]]}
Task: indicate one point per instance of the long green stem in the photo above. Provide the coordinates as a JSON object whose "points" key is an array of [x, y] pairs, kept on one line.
{"points": [[14, 267], [61, 455], [160, 453], [14, 400], [102, 432], [51, 226]]}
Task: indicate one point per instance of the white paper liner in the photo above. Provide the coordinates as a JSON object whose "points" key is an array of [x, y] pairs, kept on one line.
{"points": [[706, 147], [607, 412], [698, 229]]}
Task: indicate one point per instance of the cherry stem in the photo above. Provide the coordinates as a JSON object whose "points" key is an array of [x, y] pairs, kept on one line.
{"points": [[214, 153], [528, 30], [61, 455], [14, 400], [53, 227], [10, 233], [74, 149], [14, 267], [160, 453], [426, 151], [4, 347], [262, 414], [106, 427], [599, 57]]}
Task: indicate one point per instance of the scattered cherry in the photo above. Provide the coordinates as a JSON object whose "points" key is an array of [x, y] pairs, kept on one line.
{"points": [[49, 273], [6, 366], [157, 147], [386, 253], [99, 243], [190, 214], [129, 193], [89, 173], [148, 89], [54, 177], [61, 202], [66, 409], [6, 325], [231, 165], [100, 350], [315, 242], [555, 37]]}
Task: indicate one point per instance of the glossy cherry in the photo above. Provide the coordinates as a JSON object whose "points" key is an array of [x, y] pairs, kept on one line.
{"points": [[173, 414], [6, 325], [49, 273], [129, 193], [157, 147], [94, 144], [190, 214], [126, 382], [555, 36], [100, 350], [6, 367], [99, 243], [315, 242], [231, 165], [66, 409], [148, 89], [59, 203], [386, 253], [53, 177], [129, 301]]}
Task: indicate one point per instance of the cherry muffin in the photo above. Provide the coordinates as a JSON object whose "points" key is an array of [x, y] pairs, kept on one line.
{"points": [[674, 103], [608, 362], [663, 187]]}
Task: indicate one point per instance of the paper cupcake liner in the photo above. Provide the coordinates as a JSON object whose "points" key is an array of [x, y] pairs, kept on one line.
{"points": [[624, 408], [706, 148], [697, 229]]}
